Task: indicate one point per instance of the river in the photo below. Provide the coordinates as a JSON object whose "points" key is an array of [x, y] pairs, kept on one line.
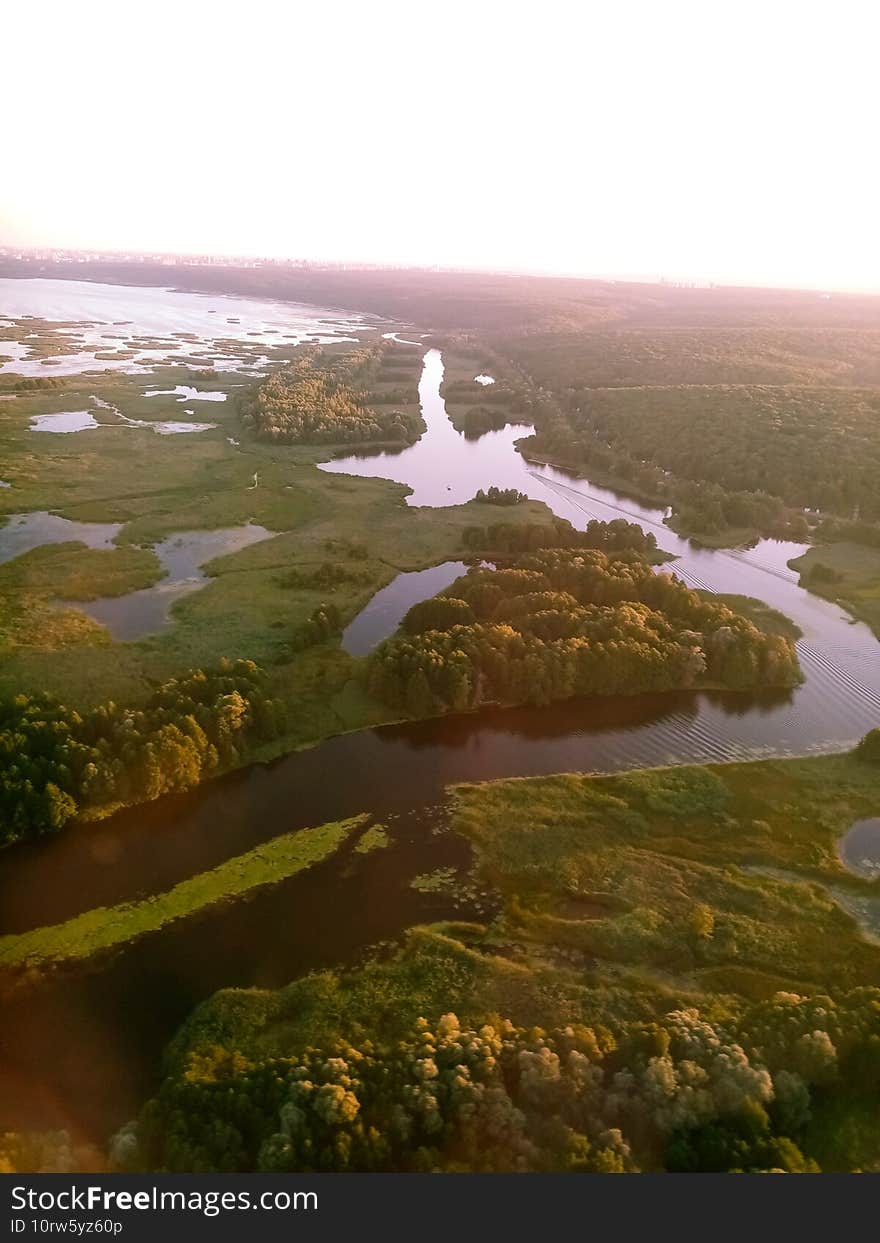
{"points": [[82, 1048]]}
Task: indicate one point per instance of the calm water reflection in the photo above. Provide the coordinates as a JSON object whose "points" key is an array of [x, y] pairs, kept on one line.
{"points": [[389, 606], [22, 532]]}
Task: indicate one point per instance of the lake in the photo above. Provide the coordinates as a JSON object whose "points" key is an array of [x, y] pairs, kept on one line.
{"points": [[155, 326]]}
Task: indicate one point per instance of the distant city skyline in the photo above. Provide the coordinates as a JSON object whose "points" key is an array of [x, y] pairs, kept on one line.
{"points": [[703, 144], [172, 258]]}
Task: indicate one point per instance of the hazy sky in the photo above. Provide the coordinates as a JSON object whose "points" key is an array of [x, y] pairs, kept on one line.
{"points": [[722, 139]]}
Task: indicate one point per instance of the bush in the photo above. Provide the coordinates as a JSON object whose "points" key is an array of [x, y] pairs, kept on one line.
{"points": [[869, 748]]}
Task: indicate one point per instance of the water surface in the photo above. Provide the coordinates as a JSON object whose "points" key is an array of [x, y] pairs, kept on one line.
{"points": [[388, 607], [182, 555], [157, 326], [860, 848], [185, 392], [64, 421], [22, 532]]}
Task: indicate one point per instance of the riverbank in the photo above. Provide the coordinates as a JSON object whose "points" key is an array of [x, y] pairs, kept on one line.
{"points": [[847, 574]]}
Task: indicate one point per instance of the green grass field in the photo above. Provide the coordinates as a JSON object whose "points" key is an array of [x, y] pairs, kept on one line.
{"points": [[768, 619]]}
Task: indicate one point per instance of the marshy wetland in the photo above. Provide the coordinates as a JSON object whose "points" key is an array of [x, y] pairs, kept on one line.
{"points": [[129, 557]]}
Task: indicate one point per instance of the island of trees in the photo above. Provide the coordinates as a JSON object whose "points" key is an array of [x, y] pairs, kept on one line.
{"points": [[570, 621], [322, 398]]}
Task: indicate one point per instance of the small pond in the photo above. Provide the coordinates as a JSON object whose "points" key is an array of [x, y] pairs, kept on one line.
{"points": [[64, 421], [860, 848], [185, 392]]}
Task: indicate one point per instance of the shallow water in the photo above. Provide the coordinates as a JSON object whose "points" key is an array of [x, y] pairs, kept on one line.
{"points": [[22, 532], [161, 427], [185, 392], [182, 556], [175, 427]]}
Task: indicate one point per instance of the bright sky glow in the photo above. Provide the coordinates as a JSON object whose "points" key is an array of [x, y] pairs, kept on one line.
{"points": [[721, 139]]}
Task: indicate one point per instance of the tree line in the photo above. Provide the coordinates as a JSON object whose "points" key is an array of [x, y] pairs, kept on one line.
{"points": [[562, 622], [500, 496], [698, 505], [56, 762], [504, 538]]}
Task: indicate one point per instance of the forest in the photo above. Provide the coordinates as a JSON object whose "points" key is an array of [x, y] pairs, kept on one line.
{"points": [[561, 622], [58, 763], [698, 506], [717, 343], [323, 399], [810, 448], [683, 1093]]}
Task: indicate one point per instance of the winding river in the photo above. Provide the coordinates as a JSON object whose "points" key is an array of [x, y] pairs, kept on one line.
{"points": [[81, 1049]]}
